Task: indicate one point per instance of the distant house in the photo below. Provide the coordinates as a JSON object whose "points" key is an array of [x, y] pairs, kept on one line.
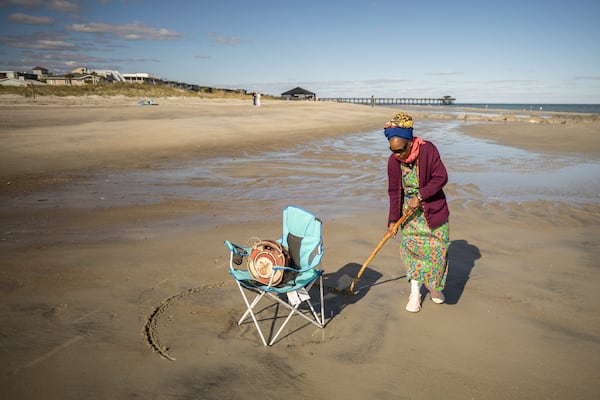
{"points": [[9, 74], [40, 72], [299, 93], [141, 77], [72, 80], [81, 70], [17, 75], [15, 78], [19, 82], [109, 75]]}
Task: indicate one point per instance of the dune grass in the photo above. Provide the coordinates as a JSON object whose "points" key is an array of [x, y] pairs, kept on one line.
{"points": [[123, 89]]}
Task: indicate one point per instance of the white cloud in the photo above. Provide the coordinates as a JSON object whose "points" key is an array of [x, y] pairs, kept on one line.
{"points": [[39, 41], [56, 5], [21, 18], [23, 3], [215, 38], [131, 31], [64, 61], [440, 73], [62, 5]]}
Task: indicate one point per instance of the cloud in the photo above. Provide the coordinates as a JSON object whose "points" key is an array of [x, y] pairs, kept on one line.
{"points": [[56, 5], [66, 56], [62, 5], [441, 73], [131, 31], [64, 61], [511, 81], [587, 78], [215, 38], [21, 18], [39, 41], [382, 81], [201, 56], [119, 1], [24, 3]]}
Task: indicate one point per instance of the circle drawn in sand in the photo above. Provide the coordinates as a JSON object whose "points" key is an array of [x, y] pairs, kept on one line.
{"points": [[151, 325]]}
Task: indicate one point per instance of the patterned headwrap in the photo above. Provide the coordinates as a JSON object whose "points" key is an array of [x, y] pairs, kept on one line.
{"points": [[401, 125]]}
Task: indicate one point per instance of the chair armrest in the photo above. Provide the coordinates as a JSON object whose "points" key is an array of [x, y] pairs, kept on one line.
{"points": [[308, 268], [239, 250], [282, 268]]}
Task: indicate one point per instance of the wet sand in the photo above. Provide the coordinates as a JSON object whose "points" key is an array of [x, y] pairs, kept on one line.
{"points": [[79, 279]]}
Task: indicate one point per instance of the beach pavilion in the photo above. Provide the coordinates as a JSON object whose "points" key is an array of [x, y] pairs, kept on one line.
{"points": [[299, 93]]}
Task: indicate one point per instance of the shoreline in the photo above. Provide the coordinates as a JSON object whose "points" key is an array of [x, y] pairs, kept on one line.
{"points": [[203, 129], [118, 133], [578, 139]]}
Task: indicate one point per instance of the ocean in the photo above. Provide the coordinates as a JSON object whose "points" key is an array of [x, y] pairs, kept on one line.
{"points": [[570, 108], [520, 110]]}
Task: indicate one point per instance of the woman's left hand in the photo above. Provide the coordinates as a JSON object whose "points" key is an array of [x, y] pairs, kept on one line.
{"points": [[414, 203]]}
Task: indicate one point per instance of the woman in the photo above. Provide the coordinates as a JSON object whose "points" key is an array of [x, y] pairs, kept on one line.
{"points": [[416, 177]]}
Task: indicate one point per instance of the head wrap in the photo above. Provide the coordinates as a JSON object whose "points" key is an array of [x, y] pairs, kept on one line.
{"points": [[401, 125]]}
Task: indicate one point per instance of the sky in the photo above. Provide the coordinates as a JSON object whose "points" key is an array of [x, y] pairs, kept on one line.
{"points": [[484, 51]]}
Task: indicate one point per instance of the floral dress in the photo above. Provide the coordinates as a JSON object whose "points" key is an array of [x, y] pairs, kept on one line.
{"points": [[423, 251]]}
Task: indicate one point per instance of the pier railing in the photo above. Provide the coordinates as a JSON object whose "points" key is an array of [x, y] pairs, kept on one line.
{"points": [[446, 100]]}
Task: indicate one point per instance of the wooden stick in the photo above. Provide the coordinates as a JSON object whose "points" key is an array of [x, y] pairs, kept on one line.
{"points": [[379, 246]]}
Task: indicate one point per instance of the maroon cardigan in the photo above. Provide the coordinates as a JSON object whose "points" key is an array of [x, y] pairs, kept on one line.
{"points": [[432, 178]]}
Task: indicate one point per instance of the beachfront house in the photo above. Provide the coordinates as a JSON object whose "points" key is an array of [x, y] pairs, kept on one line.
{"points": [[40, 72], [9, 75], [19, 79], [109, 75], [72, 79], [299, 94], [19, 82], [142, 77]]}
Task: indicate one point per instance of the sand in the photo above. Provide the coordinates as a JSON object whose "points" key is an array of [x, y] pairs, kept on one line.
{"points": [[80, 279]]}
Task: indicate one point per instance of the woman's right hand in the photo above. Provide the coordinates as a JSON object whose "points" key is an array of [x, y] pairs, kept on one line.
{"points": [[392, 232]]}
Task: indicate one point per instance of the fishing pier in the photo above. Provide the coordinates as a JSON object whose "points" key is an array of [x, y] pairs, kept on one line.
{"points": [[446, 100]]}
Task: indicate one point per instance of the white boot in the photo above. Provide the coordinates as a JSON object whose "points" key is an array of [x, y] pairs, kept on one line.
{"points": [[414, 299], [437, 296]]}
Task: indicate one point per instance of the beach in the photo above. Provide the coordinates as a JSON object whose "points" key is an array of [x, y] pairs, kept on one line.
{"points": [[110, 209]]}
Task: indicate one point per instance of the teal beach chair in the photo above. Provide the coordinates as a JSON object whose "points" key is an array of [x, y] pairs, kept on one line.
{"points": [[302, 238]]}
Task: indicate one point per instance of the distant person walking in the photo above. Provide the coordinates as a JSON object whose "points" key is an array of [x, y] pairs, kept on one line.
{"points": [[416, 177], [258, 99], [254, 99]]}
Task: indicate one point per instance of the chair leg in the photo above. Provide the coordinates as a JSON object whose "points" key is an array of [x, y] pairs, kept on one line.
{"points": [[322, 301], [315, 315], [318, 320], [249, 310], [294, 309], [250, 306]]}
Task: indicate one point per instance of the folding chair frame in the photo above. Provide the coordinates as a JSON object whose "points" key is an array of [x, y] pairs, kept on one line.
{"points": [[318, 318], [297, 290]]}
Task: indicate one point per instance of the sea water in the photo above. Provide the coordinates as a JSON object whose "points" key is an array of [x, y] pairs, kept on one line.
{"points": [[510, 174], [496, 109], [345, 174], [560, 108]]}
